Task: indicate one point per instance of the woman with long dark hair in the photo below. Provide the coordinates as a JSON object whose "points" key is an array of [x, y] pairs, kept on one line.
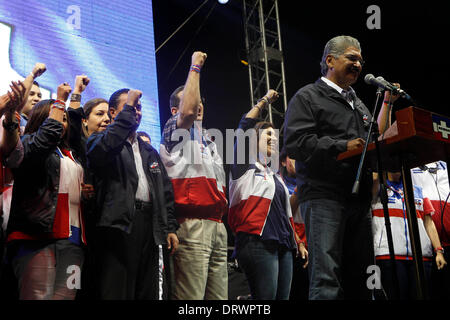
{"points": [[97, 116], [45, 232], [260, 212], [96, 119]]}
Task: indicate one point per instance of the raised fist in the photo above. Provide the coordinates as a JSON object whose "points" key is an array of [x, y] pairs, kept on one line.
{"points": [[133, 97], [38, 70], [272, 95], [387, 94], [199, 58], [81, 83], [63, 92]]}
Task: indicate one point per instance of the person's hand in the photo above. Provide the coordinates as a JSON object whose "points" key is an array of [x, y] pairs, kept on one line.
{"points": [[303, 253], [18, 93], [199, 58], [14, 99], [133, 97], [172, 242], [440, 260], [87, 191], [271, 95], [355, 144], [63, 91], [16, 96], [387, 94], [81, 83], [38, 70], [4, 100]]}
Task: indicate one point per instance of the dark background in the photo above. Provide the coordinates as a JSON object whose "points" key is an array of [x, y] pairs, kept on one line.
{"points": [[410, 48]]}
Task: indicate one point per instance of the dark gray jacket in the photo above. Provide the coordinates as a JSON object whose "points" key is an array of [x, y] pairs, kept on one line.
{"points": [[111, 160], [318, 124]]}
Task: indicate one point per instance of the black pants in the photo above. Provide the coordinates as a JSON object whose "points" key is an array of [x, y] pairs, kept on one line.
{"points": [[127, 265], [300, 282], [406, 278], [440, 279]]}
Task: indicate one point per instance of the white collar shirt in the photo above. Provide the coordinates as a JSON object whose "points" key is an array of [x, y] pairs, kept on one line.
{"points": [[346, 93], [143, 189]]}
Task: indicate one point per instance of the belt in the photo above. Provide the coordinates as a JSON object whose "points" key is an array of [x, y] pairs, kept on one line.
{"points": [[141, 205]]}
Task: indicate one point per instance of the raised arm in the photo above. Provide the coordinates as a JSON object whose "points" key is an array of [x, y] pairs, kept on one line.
{"points": [[39, 143], [57, 109], [76, 114], [14, 100], [38, 70], [190, 99], [384, 119], [102, 145], [262, 103], [239, 167], [81, 83]]}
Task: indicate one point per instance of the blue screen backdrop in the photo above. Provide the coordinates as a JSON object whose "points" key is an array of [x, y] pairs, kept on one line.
{"points": [[110, 41]]}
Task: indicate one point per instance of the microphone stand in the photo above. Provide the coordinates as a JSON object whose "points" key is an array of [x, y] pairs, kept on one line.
{"points": [[374, 132]]}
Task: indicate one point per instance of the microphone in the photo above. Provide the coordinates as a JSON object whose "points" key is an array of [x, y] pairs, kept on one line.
{"points": [[395, 89], [370, 79], [383, 84]]}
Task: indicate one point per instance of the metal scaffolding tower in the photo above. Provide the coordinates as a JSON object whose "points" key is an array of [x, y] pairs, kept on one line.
{"points": [[264, 51]]}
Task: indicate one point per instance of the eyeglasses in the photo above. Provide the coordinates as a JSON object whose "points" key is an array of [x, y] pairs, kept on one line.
{"points": [[354, 58]]}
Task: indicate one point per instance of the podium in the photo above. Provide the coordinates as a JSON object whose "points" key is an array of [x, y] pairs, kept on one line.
{"points": [[416, 138]]}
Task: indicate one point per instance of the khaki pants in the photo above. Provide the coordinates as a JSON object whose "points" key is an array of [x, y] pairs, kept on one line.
{"points": [[200, 263]]}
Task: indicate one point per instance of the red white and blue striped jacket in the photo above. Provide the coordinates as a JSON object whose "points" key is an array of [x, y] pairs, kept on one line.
{"points": [[195, 168]]}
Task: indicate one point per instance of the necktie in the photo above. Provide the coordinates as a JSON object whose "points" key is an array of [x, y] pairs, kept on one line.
{"points": [[348, 95]]}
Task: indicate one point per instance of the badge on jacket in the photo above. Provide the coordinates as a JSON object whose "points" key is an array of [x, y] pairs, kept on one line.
{"points": [[366, 120], [154, 167]]}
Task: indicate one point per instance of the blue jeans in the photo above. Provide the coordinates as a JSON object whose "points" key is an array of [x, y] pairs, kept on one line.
{"points": [[340, 248], [267, 266]]}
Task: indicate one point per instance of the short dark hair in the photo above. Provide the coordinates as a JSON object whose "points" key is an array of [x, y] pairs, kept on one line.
{"points": [[143, 134], [113, 100], [260, 127], [174, 99], [36, 84]]}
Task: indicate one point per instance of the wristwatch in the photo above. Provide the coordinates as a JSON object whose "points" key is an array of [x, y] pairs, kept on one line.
{"points": [[10, 126], [75, 97]]}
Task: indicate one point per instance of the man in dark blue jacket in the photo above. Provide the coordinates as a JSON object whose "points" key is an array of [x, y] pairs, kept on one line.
{"points": [[135, 207], [324, 119]]}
